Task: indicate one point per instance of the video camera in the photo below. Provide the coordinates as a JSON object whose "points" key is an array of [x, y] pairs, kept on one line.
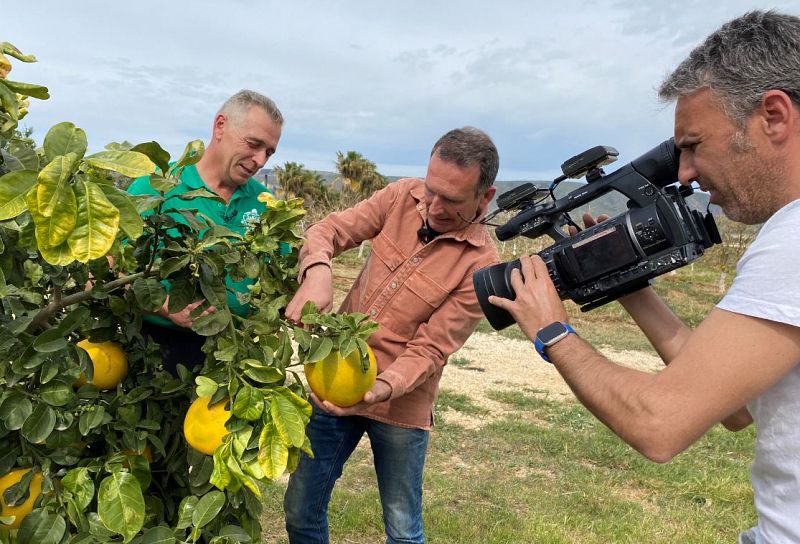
{"points": [[658, 232]]}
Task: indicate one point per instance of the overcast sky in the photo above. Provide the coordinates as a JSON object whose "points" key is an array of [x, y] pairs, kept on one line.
{"points": [[545, 79]]}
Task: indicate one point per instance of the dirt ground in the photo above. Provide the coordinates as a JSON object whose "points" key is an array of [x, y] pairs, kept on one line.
{"points": [[491, 362]]}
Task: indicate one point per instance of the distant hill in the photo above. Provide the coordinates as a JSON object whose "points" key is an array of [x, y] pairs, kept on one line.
{"points": [[267, 177]]}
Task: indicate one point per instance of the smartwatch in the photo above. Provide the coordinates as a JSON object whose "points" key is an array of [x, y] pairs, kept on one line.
{"points": [[549, 335]]}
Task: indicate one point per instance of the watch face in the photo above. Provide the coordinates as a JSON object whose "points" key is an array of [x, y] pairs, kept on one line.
{"points": [[552, 333]]}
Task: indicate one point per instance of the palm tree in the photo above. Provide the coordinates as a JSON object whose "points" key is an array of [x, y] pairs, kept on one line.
{"points": [[358, 175]]}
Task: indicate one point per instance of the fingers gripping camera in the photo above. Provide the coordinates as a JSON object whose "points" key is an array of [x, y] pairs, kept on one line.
{"points": [[657, 234]]}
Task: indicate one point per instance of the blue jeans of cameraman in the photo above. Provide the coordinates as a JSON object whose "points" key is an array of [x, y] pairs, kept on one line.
{"points": [[399, 457]]}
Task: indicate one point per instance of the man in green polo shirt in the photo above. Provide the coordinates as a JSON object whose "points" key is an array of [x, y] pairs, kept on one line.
{"points": [[245, 135]]}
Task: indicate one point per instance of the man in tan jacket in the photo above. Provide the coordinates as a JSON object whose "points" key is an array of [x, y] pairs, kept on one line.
{"points": [[417, 284]]}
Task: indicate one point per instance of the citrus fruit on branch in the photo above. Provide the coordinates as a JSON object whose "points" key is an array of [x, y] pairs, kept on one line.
{"points": [[339, 380], [20, 510], [204, 426], [109, 362]]}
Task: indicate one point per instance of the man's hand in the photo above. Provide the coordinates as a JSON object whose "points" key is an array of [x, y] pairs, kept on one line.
{"points": [[588, 221], [380, 392], [183, 318], [537, 303], [317, 287]]}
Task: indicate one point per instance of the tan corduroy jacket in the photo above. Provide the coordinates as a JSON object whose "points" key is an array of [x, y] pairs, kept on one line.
{"points": [[420, 294]]}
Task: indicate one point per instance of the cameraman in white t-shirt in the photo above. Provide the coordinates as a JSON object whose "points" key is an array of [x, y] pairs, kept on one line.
{"points": [[737, 123]]}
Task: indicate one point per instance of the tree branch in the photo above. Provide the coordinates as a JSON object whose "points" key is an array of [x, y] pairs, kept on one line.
{"points": [[44, 315]]}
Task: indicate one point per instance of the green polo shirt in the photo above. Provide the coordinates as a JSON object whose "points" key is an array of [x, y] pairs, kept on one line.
{"points": [[242, 208]]}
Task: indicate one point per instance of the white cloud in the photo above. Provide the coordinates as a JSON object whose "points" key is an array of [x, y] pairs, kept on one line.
{"points": [[545, 79]]}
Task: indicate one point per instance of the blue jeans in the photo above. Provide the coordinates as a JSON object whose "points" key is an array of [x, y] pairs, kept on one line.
{"points": [[399, 456]]}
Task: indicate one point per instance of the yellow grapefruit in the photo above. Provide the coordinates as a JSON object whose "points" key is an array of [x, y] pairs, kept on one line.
{"points": [[341, 380], [21, 510], [204, 427], [109, 361]]}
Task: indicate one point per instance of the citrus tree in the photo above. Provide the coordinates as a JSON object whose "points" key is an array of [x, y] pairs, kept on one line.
{"points": [[99, 442]]}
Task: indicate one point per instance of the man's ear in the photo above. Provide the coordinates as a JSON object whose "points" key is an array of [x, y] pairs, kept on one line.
{"points": [[487, 197], [779, 115], [220, 122]]}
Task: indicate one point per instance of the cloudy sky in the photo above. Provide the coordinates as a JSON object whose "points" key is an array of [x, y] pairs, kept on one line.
{"points": [[545, 79]]}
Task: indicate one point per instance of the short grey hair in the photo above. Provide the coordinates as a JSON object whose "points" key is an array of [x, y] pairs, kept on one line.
{"points": [[466, 147], [236, 107], [743, 59]]}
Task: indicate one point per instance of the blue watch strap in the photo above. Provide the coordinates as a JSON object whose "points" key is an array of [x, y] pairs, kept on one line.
{"points": [[541, 346]]}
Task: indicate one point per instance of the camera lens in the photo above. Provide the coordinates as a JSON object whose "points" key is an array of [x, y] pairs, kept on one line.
{"points": [[495, 280]]}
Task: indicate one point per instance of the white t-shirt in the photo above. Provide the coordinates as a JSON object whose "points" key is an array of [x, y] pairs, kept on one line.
{"points": [[767, 287]]}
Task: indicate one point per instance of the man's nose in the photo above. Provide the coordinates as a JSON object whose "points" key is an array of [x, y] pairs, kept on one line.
{"points": [[686, 170], [435, 206], [260, 157]]}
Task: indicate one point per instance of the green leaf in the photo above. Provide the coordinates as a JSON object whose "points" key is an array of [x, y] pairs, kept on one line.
{"points": [[207, 508], [273, 455], [155, 153], [158, 535], [249, 404], [10, 162], [149, 293], [185, 511], [15, 410], [288, 419], [201, 193], [320, 348], [56, 393], [25, 154], [129, 219], [97, 225], [128, 163], [78, 482], [61, 255], [192, 153], [75, 318], [91, 419], [205, 386], [12, 51], [264, 374], [64, 138], [52, 232], [39, 424], [50, 341], [213, 323], [28, 89], [14, 186], [54, 182], [221, 476], [120, 504], [41, 527], [173, 264], [182, 294], [163, 184]]}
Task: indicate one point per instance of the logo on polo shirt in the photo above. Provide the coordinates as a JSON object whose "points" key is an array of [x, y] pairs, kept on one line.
{"points": [[250, 218]]}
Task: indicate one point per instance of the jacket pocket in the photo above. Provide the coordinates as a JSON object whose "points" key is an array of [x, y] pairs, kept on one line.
{"points": [[418, 298]]}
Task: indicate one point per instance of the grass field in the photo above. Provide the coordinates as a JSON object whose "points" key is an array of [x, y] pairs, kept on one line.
{"points": [[548, 472]]}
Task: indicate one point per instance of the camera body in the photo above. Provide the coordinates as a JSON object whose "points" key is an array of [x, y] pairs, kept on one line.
{"points": [[658, 233]]}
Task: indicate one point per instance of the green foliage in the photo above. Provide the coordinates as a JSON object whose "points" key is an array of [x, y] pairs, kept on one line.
{"points": [[359, 175], [77, 261]]}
